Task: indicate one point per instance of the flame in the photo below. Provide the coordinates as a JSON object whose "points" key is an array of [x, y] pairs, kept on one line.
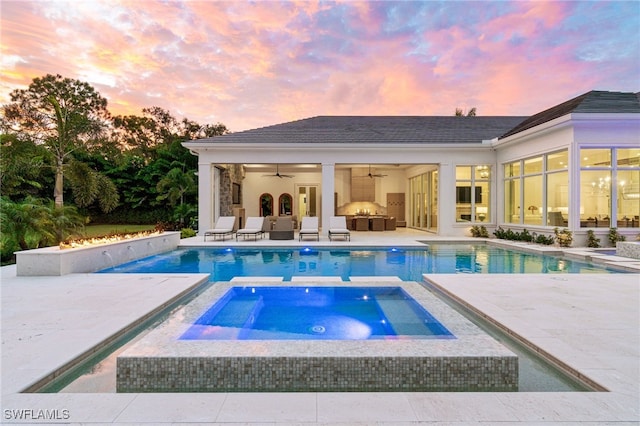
{"points": [[86, 242]]}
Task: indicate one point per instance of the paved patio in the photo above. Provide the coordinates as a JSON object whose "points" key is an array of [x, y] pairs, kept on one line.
{"points": [[590, 322]]}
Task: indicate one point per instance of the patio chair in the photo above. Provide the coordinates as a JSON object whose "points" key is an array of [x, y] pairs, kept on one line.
{"points": [[253, 227], [309, 227], [224, 226], [282, 230], [266, 225], [338, 227]]}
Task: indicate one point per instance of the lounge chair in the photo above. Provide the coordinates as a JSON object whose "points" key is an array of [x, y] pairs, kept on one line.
{"points": [[254, 226], [338, 227], [309, 227], [224, 226]]}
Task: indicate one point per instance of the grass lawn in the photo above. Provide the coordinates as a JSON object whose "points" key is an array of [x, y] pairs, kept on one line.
{"points": [[102, 230]]}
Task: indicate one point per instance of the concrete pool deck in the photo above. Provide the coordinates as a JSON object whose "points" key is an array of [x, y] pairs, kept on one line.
{"points": [[589, 321]]}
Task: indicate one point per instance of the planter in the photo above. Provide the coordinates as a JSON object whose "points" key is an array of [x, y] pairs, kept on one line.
{"points": [[53, 261]]}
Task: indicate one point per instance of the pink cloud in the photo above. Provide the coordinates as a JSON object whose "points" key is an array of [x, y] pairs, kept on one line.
{"points": [[254, 64]]}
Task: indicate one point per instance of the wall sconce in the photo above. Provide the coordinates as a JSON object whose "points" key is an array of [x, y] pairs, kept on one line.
{"points": [[481, 212]]}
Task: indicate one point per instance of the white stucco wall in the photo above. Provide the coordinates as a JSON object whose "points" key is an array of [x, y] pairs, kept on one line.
{"points": [[570, 132]]}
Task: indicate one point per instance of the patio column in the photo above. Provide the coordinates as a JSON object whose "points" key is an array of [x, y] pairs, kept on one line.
{"points": [[205, 201], [328, 189], [447, 213]]}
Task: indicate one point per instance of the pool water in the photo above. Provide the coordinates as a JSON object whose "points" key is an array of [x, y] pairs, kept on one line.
{"points": [[407, 263], [315, 313]]}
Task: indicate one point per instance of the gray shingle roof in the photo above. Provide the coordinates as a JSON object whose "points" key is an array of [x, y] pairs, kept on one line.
{"points": [[591, 102], [425, 129], [377, 129]]}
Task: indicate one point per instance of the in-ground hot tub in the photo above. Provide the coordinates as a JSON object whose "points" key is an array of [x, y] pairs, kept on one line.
{"points": [[316, 313], [176, 358]]}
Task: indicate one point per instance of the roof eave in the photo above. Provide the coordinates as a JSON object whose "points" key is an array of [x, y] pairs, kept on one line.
{"points": [[539, 130], [605, 116], [206, 146]]}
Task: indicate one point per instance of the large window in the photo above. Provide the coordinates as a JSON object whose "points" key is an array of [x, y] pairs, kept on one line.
{"points": [[557, 188], [473, 184], [536, 190], [609, 188], [512, 192]]}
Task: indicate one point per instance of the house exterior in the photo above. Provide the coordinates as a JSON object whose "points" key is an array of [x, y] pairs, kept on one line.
{"points": [[575, 166]]}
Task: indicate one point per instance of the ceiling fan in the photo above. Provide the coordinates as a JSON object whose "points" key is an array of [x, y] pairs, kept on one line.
{"points": [[373, 175], [278, 174]]}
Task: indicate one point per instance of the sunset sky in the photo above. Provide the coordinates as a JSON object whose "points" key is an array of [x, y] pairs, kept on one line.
{"points": [[253, 64]]}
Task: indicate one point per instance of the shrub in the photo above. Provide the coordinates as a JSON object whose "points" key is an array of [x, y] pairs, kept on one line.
{"points": [[479, 231], [525, 236], [546, 240], [8, 245], [499, 233], [614, 236], [592, 241], [511, 235], [187, 233], [564, 237]]}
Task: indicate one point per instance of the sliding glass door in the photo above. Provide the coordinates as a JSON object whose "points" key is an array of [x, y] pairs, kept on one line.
{"points": [[424, 201]]}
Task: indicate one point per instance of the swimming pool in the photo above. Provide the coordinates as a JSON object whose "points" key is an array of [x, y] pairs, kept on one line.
{"points": [[407, 263], [315, 313]]}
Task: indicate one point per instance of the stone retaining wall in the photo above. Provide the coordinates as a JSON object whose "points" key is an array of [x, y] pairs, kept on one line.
{"points": [[628, 249]]}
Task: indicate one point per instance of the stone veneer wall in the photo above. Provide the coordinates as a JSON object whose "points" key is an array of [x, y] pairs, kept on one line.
{"points": [[326, 374], [231, 174], [628, 249]]}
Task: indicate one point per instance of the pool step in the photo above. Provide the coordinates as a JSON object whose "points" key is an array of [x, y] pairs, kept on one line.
{"points": [[238, 313], [231, 319], [406, 322]]}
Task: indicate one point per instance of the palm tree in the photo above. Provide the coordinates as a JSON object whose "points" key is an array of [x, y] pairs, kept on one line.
{"points": [[460, 113], [27, 222], [64, 221], [89, 186], [33, 224], [173, 187]]}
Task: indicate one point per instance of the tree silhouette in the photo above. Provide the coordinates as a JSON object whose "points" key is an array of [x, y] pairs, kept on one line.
{"points": [[63, 114], [460, 113]]}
